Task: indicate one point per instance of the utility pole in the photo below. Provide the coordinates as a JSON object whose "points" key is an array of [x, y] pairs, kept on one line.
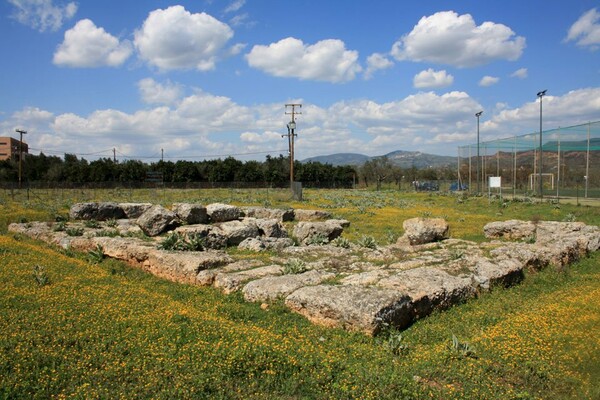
{"points": [[21, 132], [162, 155], [291, 129], [114, 155]]}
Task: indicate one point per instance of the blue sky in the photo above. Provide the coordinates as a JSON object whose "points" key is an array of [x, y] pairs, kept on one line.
{"points": [[209, 78]]}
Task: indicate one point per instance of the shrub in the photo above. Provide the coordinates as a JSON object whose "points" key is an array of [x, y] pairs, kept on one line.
{"points": [[179, 242], [294, 266], [368, 242], [91, 223], [60, 226], [40, 275], [341, 242], [96, 256], [319, 240], [73, 231], [461, 349]]}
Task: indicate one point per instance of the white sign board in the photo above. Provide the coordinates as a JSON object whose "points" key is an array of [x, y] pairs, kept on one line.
{"points": [[495, 181]]}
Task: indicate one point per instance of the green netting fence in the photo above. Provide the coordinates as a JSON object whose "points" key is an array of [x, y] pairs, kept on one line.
{"points": [[569, 159]]}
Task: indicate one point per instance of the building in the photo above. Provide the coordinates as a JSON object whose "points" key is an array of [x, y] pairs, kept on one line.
{"points": [[9, 149]]}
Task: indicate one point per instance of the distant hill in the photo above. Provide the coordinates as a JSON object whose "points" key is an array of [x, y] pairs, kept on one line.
{"points": [[401, 158], [340, 159]]}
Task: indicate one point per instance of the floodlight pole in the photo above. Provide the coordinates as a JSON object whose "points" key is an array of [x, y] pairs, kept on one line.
{"points": [[478, 180], [541, 161], [20, 132]]}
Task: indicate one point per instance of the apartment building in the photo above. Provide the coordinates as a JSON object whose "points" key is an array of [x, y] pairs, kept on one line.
{"points": [[9, 148]]}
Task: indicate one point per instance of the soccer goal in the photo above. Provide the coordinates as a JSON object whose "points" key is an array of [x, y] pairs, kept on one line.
{"points": [[547, 181]]}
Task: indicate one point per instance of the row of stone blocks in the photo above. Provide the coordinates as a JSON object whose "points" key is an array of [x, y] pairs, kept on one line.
{"points": [[358, 288]]}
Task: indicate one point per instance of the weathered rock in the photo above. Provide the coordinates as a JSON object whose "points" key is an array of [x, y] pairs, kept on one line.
{"points": [[134, 210], [232, 282], [356, 308], [512, 229], [207, 277], [311, 215], [218, 212], [183, 266], [530, 256], [424, 230], [275, 287], [366, 278], [504, 273], [156, 220], [127, 227], [430, 288], [190, 213], [213, 236], [344, 223], [269, 213], [271, 228], [98, 211], [237, 231], [306, 231], [265, 243]]}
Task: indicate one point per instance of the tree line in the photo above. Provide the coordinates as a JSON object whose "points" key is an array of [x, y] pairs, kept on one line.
{"points": [[274, 171]]}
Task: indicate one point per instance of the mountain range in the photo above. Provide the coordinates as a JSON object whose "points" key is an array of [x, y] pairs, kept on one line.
{"points": [[401, 158]]}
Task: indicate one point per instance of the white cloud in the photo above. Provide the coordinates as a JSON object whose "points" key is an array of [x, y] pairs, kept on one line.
{"points": [[174, 38], [430, 79], [235, 6], [488, 81], [42, 14], [376, 62], [265, 137], [86, 45], [153, 92], [586, 30], [521, 73], [448, 38], [327, 60], [207, 124]]}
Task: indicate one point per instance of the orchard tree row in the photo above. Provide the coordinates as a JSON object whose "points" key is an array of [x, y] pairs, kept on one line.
{"points": [[273, 170]]}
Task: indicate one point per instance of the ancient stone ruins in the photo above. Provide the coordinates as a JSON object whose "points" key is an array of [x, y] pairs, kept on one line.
{"points": [[327, 279]]}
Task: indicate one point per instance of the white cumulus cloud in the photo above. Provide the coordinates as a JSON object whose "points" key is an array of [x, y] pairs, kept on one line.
{"points": [[174, 38], [521, 73], [586, 30], [327, 60], [488, 81], [153, 92], [42, 14], [431, 79], [86, 45], [376, 62], [448, 38]]}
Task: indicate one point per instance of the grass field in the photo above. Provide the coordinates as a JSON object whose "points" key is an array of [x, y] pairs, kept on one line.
{"points": [[74, 329]]}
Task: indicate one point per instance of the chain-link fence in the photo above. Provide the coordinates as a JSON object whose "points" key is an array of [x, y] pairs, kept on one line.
{"points": [[569, 159]]}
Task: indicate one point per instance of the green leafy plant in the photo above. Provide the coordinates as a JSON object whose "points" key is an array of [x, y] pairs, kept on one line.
{"points": [[368, 242], [179, 242], [111, 223], [40, 275], [570, 217], [341, 242], [319, 240], [91, 223], [107, 233], [294, 266], [461, 349], [396, 344], [96, 256], [74, 231], [60, 226]]}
